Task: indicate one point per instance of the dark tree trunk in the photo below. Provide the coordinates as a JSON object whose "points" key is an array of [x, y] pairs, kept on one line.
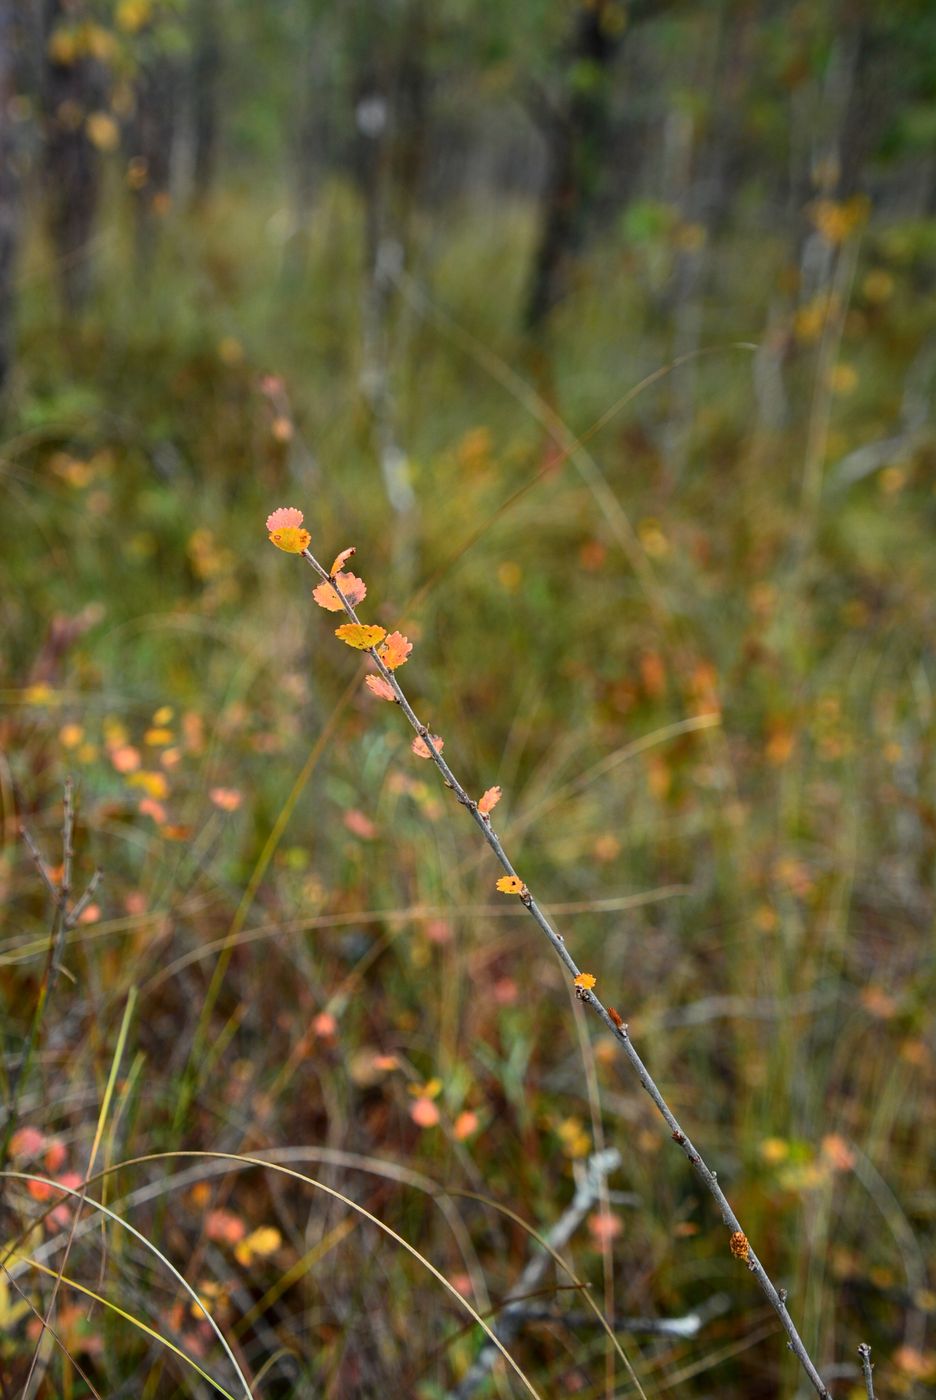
{"points": [[71, 167], [152, 141], [9, 188], [577, 131], [206, 74]]}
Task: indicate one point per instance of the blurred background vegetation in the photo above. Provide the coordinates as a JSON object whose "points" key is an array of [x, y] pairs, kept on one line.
{"points": [[389, 261]]}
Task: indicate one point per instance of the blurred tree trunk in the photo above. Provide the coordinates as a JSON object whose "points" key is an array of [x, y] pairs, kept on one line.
{"points": [[206, 74], [72, 84], [389, 103], [9, 189], [152, 139], [317, 102], [576, 126]]}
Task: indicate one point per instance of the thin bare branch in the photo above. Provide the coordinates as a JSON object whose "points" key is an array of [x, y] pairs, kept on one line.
{"points": [[740, 1245], [864, 1351], [36, 854], [68, 844], [512, 1314], [73, 918]]}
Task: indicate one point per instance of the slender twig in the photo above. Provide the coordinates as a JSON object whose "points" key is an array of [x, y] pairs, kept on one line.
{"points": [[64, 920], [40, 864], [68, 845], [740, 1245], [864, 1351], [512, 1315], [81, 905]]}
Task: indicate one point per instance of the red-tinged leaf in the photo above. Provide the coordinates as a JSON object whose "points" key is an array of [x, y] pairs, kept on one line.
{"points": [[353, 589], [395, 650], [27, 1142], [359, 635], [379, 687], [511, 884], [489, 800], [342, 559], [359, 824], [604, 1226], [286, 517], [224, 1227], [422, 750], [284, 526], [227, 799], [424, 1113]]}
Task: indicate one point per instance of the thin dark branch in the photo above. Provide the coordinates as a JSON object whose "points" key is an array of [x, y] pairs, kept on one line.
{"points": [[739, 1243]]}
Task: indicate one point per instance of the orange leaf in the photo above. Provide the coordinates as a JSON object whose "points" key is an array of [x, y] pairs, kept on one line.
{"points": [[465, 1124], [738, 1245], [342, 559], [395, 650], [353, 588], [586, 981], [379, 687], [360, 636], [422, 750], [489, 800], [511, 884]]}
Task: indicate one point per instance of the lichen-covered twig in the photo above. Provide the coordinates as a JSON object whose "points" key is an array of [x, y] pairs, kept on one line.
{"points": [[864, 1351], [64, 919], [513, 1315], [296, 541]]}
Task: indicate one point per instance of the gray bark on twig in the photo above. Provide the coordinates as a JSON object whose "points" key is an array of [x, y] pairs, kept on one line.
{"points": [[513, 1315], [739, 1244]]}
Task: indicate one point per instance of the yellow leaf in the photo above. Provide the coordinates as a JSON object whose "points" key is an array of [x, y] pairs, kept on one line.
{"points": [[511, 884], [103, 131], [153, 784], [291, 539], [266, 1240], [11, 1310], [259, 1244], [132, 15], [359, 635], [585, 980], [158, 737]]}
